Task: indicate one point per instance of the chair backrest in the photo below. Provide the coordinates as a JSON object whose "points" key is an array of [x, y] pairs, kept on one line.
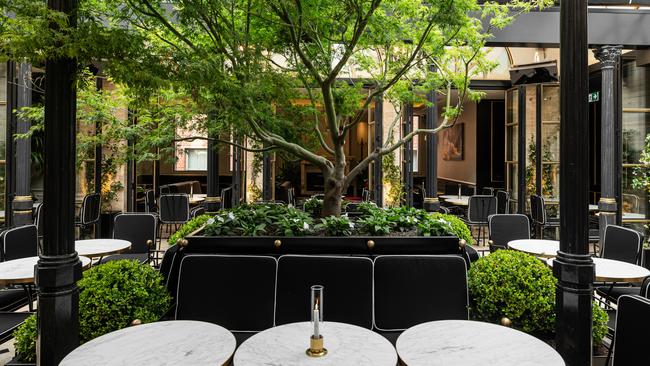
{"points": [[622, 244], [480, 208], [174, 208], [344, 278], [632, 331], [365, 195], [537, 209], [235, 292], [487, 191], [645, 288], [503, 202], [507, 227], [150, 201], [197, 211], [38, 219], [291, 196], [226, 197], [137, 228], [19, 242], [410, 290], [165, 189], [91, 208]]}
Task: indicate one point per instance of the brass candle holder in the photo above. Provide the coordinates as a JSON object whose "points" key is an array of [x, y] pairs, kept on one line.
{"points": [[316, 348]]}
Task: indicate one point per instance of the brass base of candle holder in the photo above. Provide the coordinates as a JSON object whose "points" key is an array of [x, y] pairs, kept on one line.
{"points": [[316, 348]]}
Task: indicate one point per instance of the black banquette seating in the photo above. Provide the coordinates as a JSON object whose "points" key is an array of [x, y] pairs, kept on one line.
{"points": [[382, 291]]}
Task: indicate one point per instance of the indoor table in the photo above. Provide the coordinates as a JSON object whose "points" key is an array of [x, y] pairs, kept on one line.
{"points": [[471, 343], [609, 270], [537, 247], [456, 200], [101, 247], [346, 344], [21, 271], [176, 342], [197, 198]]}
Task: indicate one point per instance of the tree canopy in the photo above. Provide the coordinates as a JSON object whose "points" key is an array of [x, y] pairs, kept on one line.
{"points": [[243, 64]]}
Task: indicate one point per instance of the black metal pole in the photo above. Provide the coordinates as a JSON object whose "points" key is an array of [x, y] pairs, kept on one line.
{"points": [[10, 170], [267, 177], [378, 179], [59, 268], [22, 201], [521, 158], [236, 174], [573, 266], [608, 57], [408, 155], [213, 200], [431, 202], [98, 154], [538, 141]]}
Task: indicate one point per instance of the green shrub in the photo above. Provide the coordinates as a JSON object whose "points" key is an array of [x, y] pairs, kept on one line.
{"points": [[375, 223], [25, 342], [188, 228], [260, 219], [112, 295], [367, 208], [434, 226], [458, 227], [522, 288], [336, 226], [313, 206], [405, 218]]}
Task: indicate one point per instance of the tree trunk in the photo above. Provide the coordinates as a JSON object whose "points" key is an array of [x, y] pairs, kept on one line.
{"points": [[332, 192]]}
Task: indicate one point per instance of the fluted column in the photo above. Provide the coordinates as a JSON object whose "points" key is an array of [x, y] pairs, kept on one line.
{"points": [[431, 202], [22, 202], [608, 57]]}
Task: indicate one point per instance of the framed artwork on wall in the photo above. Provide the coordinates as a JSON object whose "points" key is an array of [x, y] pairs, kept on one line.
{"points": [[452, 142]]}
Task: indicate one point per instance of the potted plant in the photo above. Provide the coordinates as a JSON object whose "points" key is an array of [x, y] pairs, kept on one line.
{"points": [[515, 288], [111, 297]]}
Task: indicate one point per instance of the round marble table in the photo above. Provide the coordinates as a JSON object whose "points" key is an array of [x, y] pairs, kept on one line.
{"points": [[346, 344], [448, 197], [448, 343], [609, 270], [536, 247], [177, 342], [21, 271], [101, 247], [197, 198], [458, 201]]}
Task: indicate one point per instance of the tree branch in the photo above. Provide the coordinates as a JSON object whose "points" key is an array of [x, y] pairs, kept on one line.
{"points": [[192, 138]]}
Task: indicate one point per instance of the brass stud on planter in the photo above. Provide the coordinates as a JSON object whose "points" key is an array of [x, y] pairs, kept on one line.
{"points": [[506, 322], [462, 243], [183, 243], [136, 322], [277, 243], [370, 244], [150, 244]]}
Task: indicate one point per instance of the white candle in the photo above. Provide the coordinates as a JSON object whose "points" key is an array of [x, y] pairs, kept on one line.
{"points": [[316, 320]]}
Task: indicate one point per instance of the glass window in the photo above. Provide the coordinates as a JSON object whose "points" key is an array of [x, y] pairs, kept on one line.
{"points": [[196, 159], [191, 155]]}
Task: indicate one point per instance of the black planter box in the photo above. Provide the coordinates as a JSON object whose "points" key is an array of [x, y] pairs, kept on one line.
{"points": [[15, 362]]}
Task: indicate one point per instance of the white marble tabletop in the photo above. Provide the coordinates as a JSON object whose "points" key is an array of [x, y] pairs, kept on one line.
{"points": [[470, 343], [447, 197], [633, 216], [21, 270], [536, 247], [609, 270], [458, 202], [346, 344], [177, 342], [101, 247]]}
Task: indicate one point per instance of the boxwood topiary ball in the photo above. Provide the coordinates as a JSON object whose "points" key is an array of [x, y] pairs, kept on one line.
{"points": [[113, 294], [514, 285]]}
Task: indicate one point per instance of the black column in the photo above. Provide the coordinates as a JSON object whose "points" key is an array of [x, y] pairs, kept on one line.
{"points": [[378, 176], [98, 155], [431, 202], [408, 155], [608, 57], [10, 170], [521, 158], [213, 200], [22, 202], [267, 177], [236, 174], [59, 268], [538, 141], [573, 266]]}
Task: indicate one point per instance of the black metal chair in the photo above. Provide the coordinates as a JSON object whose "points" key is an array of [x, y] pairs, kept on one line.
{"points": [[539, 217], [632, 331], [291, 196], [342, 277], [621, 244], [150, 204], [174, 210], [478, 210], [38, 221], [140, 230], [235, 292], [197, 211], [19, 242], [90, 211], [413, 289], [9, 321], [503, 202], [487, 191], [226, 197], [507, 227]]}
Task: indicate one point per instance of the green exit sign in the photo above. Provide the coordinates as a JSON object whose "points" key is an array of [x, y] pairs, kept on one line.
{"points": [[594, 97]]}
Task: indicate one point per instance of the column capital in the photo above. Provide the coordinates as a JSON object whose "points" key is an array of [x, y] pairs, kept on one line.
{"points": [[608, 56]]}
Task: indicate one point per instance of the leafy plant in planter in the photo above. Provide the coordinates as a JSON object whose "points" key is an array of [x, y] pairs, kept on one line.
{"points": [[111, 296], [376, 223], [458, 227], [313, 206], [405, 218], [255, 220], [336, 226], [187, 228], [520, 287]]}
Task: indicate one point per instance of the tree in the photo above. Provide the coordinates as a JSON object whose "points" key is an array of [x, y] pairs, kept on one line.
{"points": [[245, 63]]}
